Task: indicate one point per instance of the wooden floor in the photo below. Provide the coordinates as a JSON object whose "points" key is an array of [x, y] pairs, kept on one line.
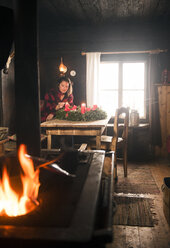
{"points": [[147, 237]]}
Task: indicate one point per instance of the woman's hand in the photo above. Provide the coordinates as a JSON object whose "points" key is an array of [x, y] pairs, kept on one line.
{"points": [[49, 117], [66, 103], [60, 105]]}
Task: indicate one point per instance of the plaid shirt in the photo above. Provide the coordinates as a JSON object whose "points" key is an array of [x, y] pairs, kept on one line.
{"points": [[51, 100]]}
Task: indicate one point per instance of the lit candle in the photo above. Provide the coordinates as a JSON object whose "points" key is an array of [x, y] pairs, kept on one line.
{"points": [[83, 107]]}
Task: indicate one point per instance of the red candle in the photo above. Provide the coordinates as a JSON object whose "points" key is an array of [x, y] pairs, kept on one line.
{"points": [[94, 107], [66, 105], [83, 107]]}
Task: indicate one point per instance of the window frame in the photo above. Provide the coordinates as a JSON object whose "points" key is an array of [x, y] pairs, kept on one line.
{"points": [[120, 62]]}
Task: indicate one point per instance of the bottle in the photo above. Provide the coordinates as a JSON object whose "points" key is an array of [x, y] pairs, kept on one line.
{"points": [[134, 118]]}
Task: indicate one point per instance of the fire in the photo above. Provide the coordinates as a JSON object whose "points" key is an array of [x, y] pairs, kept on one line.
{"points": [[11, 203]]}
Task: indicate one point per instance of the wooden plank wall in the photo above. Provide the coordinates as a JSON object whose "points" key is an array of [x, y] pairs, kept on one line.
{"points": [[164, 108]]}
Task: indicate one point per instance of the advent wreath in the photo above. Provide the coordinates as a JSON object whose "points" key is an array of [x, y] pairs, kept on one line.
{"points": [[75, 113]]}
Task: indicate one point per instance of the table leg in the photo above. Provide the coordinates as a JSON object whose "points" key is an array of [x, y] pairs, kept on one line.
{"points": [[98, 142], [1, 149], [49, 141]]}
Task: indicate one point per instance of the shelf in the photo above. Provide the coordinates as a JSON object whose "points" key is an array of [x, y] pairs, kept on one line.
{"points": [[162, 84]]}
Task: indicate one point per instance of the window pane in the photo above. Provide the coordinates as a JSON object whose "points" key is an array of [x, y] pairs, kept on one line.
{"points": [[131, 89], [134, 100], [109, 75], [109, 101], [133, 75]]}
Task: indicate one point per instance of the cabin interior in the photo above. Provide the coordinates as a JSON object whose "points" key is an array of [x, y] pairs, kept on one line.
{"points": [[36, 35]]}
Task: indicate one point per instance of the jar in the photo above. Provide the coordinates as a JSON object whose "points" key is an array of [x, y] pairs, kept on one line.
{"points": [[134, 118]]}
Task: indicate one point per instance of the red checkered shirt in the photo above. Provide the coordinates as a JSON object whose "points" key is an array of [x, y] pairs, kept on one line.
{"points": [[51, 100]]}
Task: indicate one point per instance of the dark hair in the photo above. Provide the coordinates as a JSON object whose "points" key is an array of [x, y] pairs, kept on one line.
{"points": [[70, 89]]}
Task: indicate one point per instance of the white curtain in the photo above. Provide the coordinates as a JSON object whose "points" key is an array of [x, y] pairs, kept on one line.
{"points": [[92, 78]]}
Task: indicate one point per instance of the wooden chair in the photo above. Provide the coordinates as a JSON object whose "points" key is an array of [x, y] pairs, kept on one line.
{"points": [[116, 142], [122, 142]]}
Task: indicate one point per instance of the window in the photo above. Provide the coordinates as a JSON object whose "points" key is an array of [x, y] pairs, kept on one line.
{"points": [[122, 84]]}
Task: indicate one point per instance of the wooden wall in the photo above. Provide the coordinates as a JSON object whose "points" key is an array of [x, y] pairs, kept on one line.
{"points": [[68, 42], [8, 99], [6, 39], [49, 73], [164, 108]]}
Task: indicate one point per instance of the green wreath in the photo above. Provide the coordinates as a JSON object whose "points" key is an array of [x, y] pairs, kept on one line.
{"points": [[74, 114]]}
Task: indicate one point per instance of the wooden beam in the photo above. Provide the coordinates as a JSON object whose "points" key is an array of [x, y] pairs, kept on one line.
{"points": [[27, 76], [155, 51]]}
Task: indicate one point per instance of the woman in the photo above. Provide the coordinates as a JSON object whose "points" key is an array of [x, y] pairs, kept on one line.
{"points": [[57, 98]]}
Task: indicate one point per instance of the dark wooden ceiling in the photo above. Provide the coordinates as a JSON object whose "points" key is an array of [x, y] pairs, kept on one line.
{"points": [[103, 11], [78, 12]]}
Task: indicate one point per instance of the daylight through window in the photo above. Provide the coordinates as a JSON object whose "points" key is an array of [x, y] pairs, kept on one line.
{"points": [[122, 84]]}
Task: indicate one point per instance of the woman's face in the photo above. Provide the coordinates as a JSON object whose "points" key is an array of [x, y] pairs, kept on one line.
{"points": [[63, 87]]}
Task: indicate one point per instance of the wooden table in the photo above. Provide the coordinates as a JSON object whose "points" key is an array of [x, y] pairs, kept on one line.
{"points": [[78, 128], [2, 150]]}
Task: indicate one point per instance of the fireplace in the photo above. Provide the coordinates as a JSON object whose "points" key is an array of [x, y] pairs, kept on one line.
{"points": [[72, 210]]}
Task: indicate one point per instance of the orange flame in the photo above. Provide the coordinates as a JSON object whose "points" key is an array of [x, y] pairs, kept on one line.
{"points": [[62, 67], [11, 203]]}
